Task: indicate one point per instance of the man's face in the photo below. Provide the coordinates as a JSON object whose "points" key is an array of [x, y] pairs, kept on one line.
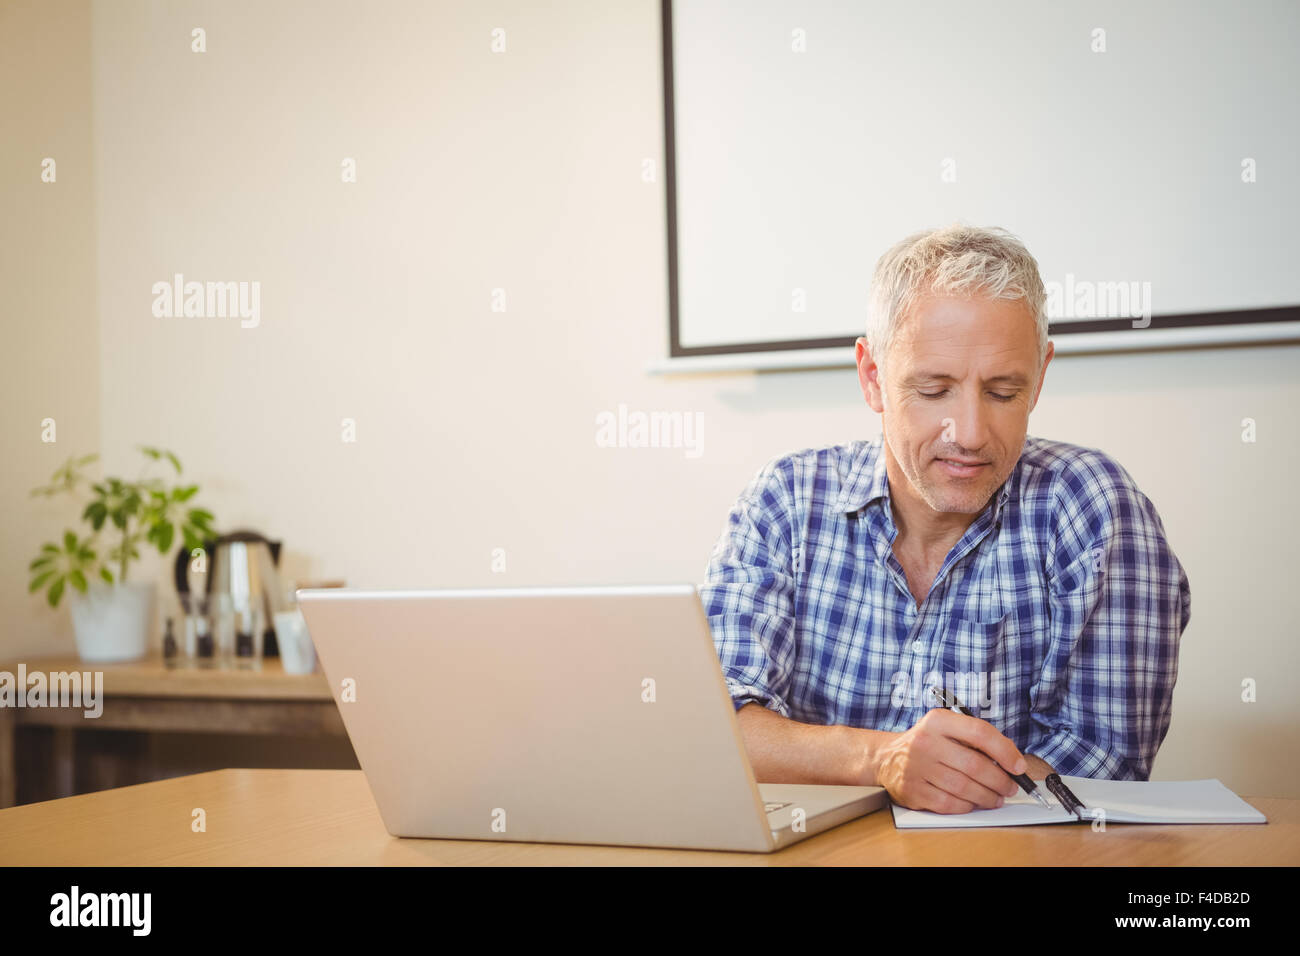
{"points": [[960, 380]]}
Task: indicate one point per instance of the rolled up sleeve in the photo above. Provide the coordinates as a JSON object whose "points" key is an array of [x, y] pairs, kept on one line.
{"points": [[1119, 602], [748, 594]]}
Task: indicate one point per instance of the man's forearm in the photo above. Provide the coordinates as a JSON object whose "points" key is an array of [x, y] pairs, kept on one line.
{"points": [[785, 751]]}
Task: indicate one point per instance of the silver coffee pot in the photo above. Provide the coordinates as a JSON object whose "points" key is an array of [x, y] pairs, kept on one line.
{"points": [[241, 565]]}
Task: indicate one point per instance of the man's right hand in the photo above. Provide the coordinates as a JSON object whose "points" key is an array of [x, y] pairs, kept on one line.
{"points": [[948, 763]]}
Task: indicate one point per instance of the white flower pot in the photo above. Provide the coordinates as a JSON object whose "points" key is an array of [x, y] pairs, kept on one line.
{"points": [[112, 621]]}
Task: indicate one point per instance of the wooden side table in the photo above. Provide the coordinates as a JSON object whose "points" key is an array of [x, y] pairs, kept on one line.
{"points": [[146, 696]]}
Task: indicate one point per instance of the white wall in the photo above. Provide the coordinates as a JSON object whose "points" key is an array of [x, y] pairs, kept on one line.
{"points": [[49, 363], [476, 430]]}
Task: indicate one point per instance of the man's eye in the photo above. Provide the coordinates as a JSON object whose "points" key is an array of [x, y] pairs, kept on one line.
{"points": [[1003, 398], [933, 394]]}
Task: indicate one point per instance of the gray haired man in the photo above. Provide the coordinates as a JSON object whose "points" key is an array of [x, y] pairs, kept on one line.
{"points": [[1031, 579]]}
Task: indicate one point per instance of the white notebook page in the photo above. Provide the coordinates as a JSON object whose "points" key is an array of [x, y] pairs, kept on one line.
{"points": [[1124, 801]]}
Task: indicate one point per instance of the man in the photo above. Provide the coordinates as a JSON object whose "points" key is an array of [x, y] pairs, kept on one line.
{"points": [[1030, 579]]}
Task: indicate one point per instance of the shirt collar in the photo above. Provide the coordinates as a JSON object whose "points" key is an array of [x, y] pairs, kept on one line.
{"points": [[868, 481]]}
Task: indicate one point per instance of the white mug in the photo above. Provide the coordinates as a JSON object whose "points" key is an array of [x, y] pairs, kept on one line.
{"points": [[297, 652]]}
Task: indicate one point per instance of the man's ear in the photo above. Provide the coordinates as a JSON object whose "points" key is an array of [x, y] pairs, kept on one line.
{"points": [[1042, 374], [869, 376]]}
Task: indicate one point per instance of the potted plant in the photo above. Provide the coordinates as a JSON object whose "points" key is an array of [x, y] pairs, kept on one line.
{"points": [[109, 614]]}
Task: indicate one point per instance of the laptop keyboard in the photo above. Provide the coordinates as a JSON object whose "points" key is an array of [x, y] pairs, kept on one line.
{"points": [[773, 807]]}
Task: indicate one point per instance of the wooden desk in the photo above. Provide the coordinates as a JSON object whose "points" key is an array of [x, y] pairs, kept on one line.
{"points": [[147, 696], [328, 818]]}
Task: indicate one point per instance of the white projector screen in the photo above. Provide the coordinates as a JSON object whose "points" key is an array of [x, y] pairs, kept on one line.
{"points": [[1146, 153]]}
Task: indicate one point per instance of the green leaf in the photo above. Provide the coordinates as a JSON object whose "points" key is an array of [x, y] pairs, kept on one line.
{"points": [[69, 542], [78, 581], [39, 581], [106, 574], [50, 549], [86, 554], [166, 532], [86, 460], [185, 494], [55, 592], [153, 453], [119, 518], [176, 462], [200, 517], [40, 562]]}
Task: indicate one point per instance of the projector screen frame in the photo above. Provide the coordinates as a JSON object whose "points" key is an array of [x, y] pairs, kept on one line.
{"points": [[1279, 324]]}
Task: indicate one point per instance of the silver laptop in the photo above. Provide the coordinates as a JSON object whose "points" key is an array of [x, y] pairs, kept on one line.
{"points": [[554, 715]]}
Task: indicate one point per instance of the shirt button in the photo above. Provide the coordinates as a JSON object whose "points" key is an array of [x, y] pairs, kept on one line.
{"points": [[916, 646]]}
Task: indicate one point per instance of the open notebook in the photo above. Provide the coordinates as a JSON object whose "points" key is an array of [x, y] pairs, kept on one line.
{"points": [[1124, 801]]}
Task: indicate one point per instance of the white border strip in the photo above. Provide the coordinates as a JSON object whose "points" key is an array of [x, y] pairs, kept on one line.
{"points": [[1081, 343]]}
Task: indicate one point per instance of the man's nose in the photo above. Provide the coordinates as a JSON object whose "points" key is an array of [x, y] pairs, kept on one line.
{"points": [[969, 429]]}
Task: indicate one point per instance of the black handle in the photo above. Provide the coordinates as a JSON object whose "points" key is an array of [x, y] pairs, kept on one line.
{"points": [[182, 572]]}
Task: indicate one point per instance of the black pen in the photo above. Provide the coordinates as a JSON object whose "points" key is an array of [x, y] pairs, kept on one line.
{"points": [[1026, 783]]}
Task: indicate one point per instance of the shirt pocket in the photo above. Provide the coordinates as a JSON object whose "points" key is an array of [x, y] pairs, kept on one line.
{"points": [[970, 660]]}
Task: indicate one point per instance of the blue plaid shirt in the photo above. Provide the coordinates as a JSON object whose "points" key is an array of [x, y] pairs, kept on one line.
{"points": [[1056, 617]]}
